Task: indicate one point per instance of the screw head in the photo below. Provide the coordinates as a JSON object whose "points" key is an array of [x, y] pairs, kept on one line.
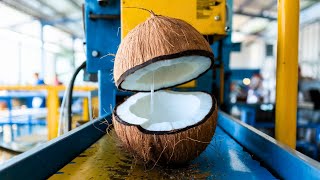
{"points": [[217, 18], [95, 53]]}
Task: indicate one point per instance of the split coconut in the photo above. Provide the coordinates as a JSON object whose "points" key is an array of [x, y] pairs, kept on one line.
{"points": [[165, 126]]}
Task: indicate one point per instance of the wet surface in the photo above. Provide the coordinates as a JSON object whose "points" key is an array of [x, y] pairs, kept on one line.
{"points": [[223, 159]]}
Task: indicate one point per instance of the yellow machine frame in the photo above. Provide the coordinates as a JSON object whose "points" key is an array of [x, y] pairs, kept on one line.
{"points": [[209, 17]]}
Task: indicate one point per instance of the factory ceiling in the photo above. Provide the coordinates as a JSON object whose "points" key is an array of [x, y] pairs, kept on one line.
{"points": [[250, 17], [66, 15]]}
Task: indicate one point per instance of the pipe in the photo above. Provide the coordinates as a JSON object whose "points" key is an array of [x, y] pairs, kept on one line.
{"points": [[287, 72]]}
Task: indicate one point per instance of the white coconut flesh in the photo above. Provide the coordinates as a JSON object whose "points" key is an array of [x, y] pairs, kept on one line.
{"points": [[172, 110], [166, 73]]}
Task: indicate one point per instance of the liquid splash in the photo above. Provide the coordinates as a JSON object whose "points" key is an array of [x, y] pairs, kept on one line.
{"points": [[152, 96]]}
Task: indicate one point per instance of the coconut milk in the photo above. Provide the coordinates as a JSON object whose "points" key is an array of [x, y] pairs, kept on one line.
{"points": [[151, 95]]}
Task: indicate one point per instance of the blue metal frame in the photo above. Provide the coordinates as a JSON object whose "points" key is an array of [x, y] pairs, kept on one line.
{"points": [[102, 38], [102, 34], [106, 92]]}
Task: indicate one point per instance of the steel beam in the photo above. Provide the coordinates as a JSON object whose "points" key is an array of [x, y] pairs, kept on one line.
{"points": [[44, 3], [75, 4], [34, 13], [25, 9]]}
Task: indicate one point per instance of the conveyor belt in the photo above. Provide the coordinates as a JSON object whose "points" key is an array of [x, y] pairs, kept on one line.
{"points": [[223, 159]]}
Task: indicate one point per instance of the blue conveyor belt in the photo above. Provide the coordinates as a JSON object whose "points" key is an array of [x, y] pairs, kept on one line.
{"points": [[224, 158]]}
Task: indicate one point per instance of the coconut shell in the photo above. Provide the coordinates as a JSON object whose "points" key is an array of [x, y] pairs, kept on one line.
{"points": [[176, 147], [158, 38]]}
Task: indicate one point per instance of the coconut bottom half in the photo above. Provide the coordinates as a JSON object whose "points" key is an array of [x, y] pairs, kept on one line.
{"points": [[176, 130]]}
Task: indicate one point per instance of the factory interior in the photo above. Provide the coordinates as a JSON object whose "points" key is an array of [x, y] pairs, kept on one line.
{"points": [[160, 89]]}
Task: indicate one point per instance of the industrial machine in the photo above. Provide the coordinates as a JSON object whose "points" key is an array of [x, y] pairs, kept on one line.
{"points": [[236, 151]]}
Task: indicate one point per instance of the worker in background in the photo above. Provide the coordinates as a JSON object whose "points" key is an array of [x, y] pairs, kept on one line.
{"points": [[255, 92], [38, 102], [56, 81], [37, 80]]}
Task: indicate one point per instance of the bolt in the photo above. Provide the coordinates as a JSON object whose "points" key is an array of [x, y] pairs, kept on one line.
{"points": [[95, 53], [217, 18], [227, 28]]}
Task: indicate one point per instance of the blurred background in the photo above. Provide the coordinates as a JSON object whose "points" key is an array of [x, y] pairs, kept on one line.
{"points": [[42, 44]]}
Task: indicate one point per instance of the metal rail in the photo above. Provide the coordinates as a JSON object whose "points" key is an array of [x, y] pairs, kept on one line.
{"points": [[280, 158]]}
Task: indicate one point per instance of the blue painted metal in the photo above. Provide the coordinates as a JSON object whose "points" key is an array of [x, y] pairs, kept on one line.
{"points": [[45, 160], [28, 96], [248, 115], [236, 47], [106, 92], [102, 35], [284, 161], [21, 119], [222, 50], [225, 55]]}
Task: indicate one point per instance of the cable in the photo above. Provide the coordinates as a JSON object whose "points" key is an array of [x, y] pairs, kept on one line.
{"points": [[63, 110], [69, 96]]}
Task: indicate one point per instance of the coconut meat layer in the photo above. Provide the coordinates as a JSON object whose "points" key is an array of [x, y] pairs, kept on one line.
{"points": [[171, 110], [166, 73]]}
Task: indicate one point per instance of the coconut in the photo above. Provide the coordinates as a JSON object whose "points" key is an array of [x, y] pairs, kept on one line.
{"points": [[178, 130], [164, 126], [168, 49]]}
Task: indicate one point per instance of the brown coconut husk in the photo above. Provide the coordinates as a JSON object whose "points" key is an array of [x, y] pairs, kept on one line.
{"points": [[176, 147], [158, 38]]}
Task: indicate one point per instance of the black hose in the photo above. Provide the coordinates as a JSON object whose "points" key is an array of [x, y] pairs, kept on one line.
{"points": [[69, 93]]}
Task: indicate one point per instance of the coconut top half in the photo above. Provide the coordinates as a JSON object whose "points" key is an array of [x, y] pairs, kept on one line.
{"points": [[163, 52]]}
